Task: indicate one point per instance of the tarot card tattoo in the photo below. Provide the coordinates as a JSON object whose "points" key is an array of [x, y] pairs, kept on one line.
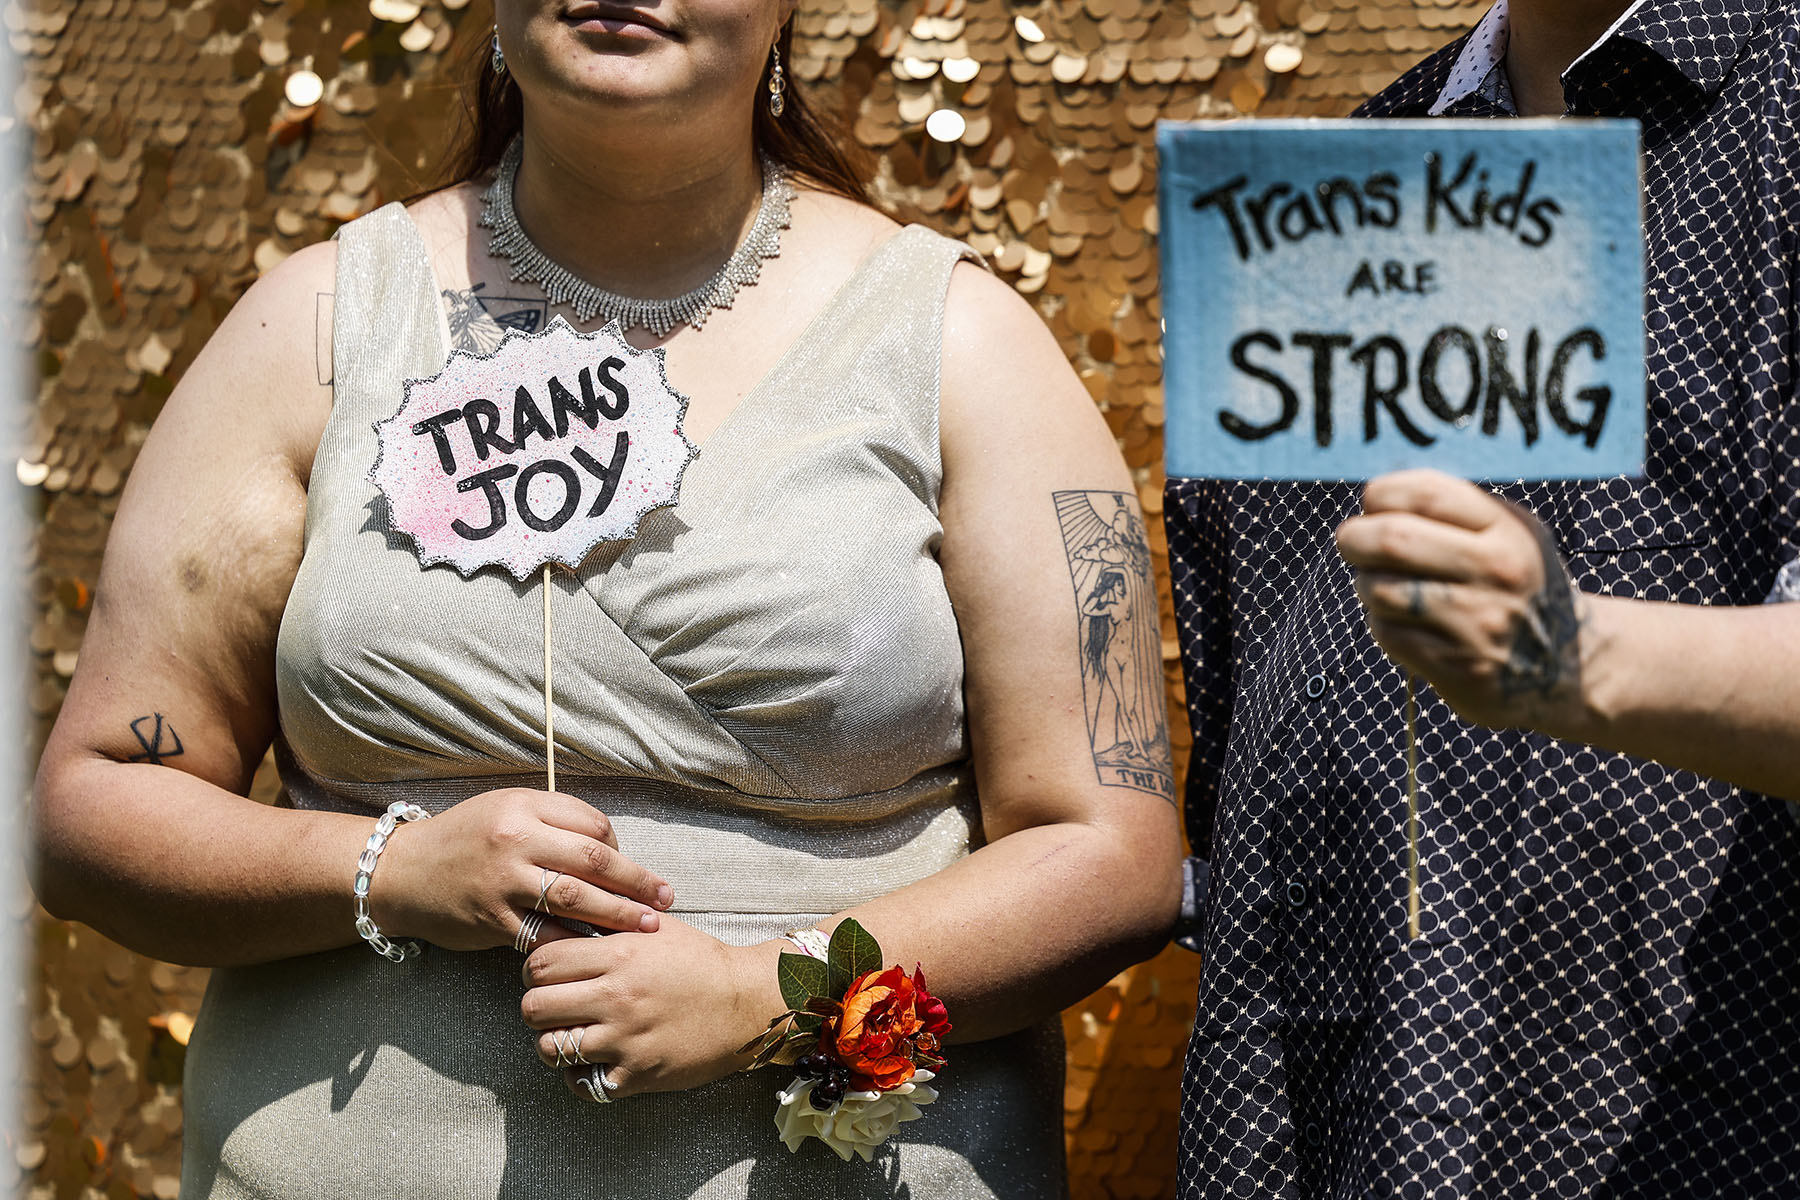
{"points": [[1120, 643]]}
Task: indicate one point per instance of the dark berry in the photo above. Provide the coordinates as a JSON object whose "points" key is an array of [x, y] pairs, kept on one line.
{"points": [[827, 1093], [813, 1066]]}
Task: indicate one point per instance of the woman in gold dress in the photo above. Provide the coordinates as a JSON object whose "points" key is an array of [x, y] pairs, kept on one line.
{"points": [[842, 676]]}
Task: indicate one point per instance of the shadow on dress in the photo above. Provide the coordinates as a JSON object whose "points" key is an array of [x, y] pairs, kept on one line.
{"points": [[345, 1074]]}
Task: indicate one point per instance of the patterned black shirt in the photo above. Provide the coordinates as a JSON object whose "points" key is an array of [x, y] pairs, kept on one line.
{"points": [[1605, 1001]]}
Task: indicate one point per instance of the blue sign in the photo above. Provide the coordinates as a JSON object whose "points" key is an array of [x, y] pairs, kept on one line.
{"points": [[1346, 298]]}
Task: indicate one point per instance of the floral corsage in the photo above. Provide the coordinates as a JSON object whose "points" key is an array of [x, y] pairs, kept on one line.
{"points": [[865, 1040]]}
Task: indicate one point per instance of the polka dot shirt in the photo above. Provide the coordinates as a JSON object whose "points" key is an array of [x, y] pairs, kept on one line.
{"points": [[1605, 1001]]}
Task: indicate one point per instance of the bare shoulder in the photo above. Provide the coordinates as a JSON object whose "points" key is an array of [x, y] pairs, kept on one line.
{"points": [[981, 307], [447, 208], [1003, 368], [293, 285], [256, 381], [208, 532], [839, 228], [274, 319], [446, 219]]}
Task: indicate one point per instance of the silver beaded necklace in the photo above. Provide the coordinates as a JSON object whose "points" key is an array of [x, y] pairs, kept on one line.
{"points": [[563, 286]]}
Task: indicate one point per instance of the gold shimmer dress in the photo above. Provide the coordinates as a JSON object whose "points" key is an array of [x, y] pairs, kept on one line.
{"points": [[763, 691]]}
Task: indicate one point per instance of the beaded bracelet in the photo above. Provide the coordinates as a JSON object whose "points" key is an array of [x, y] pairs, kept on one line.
{"points": [[397, 812]]}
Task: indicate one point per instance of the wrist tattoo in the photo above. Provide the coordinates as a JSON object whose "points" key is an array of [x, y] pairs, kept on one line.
{"points": [[1120, 643], [159, 741], [1545, 660]]}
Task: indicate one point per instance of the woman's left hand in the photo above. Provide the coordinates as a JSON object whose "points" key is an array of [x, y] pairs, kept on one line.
{"points": [[664, 1011], [1469, 592]]}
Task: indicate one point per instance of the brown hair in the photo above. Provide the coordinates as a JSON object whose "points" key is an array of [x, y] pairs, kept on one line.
{"points": [[811, 147]]}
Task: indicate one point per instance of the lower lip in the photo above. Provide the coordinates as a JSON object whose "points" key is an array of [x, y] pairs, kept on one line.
{"points": [[624, 29]]}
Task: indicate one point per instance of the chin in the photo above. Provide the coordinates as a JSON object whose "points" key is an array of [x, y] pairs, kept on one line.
{"points": [[610, 85]]}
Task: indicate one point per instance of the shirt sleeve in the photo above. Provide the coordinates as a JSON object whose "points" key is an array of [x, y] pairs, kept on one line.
{"points": [[1194, 517]]}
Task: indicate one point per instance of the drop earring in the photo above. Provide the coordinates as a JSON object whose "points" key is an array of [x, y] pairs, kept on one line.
{"points": [[499, 59], [777, 84]]}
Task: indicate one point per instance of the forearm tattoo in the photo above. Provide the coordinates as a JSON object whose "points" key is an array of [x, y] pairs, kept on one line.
{"points": [[478, 323], [1545, 660], [157, 740], [1120, 644]]}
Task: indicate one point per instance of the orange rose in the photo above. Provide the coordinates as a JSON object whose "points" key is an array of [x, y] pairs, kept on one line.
{"points": [[888, 1020]]}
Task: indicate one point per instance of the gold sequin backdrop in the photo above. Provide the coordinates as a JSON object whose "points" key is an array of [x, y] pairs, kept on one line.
{"points": [[171, 164]]}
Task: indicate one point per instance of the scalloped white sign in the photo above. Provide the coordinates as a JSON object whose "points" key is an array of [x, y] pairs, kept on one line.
{"points": [[534, 454]]}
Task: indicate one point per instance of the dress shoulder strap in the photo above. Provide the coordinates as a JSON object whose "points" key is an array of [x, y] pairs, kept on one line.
{"points": [[387, 323], [919, 265], [884, 336], [912, 268], [386, 328]]}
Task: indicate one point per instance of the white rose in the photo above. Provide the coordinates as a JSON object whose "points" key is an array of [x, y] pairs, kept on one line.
{"points": [[859, 1122]]}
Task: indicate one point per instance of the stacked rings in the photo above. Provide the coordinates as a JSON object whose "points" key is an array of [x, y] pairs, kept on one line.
{"points": [[593, 1084], [568, 1046], [528, 932]]}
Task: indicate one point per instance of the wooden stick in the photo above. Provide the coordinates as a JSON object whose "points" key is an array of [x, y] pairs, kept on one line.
{"points": [[1412, 809], [549, 712]]}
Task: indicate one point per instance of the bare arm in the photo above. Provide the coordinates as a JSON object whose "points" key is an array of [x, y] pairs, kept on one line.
{"points": [[1042, 540], [141, 827], [1715, 690], [140, 824], [1460, 589], [1080, 873]]}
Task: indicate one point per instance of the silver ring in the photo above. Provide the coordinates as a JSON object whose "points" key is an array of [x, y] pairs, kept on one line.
{"points": [[546, 881], [593, 1084], [528, 932], [568, 1046]]}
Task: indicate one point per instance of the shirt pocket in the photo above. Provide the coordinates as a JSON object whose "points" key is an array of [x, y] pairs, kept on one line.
{"points": [[1632, 538]]}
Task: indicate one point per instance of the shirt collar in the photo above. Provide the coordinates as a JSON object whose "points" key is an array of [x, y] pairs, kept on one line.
{"points": [[1700, 38], [1479, 63]]}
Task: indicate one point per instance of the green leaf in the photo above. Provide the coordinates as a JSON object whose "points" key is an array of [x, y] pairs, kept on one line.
{"points": [[802, 977], [854, 953]]}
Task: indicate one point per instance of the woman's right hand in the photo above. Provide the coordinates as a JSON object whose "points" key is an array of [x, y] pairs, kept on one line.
{"points": [[466, 878]]}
